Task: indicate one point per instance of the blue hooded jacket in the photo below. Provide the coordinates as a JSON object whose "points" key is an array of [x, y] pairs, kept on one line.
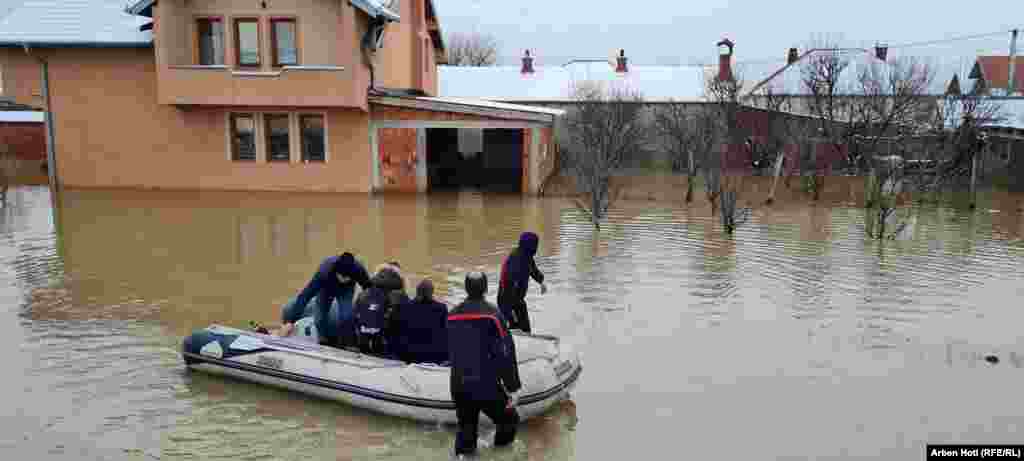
{"points": [[517, 270], [326, 287]]}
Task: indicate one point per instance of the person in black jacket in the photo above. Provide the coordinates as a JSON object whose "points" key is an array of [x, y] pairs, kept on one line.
{"points": [[484, 368], [373, 309], [516, 272], [335, 279], [418, 328]]}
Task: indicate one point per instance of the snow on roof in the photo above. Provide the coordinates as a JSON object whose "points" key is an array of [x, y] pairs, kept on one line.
{"points": [[494, 105], [73, 22], [555, 83], [788, 79], [21, 116], [1012, 111]]}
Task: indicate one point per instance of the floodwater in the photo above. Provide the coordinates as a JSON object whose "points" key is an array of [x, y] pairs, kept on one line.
{"points": [[796, 338]]}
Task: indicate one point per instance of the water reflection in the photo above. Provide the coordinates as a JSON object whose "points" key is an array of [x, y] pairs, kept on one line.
{"points": [[683, 329]]}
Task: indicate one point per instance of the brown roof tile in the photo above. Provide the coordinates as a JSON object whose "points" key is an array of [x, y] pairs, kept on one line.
{"points": [[996, 71]]}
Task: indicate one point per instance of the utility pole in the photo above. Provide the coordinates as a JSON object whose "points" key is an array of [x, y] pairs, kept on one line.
{"points": [[1011, 86]]}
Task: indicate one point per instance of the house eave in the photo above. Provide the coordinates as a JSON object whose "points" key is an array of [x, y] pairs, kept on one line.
{"points": [[461, 108]]}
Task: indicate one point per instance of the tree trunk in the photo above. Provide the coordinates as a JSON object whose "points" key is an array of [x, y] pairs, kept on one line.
{"points": [[974, 181], [819, 182], [775, 180]]}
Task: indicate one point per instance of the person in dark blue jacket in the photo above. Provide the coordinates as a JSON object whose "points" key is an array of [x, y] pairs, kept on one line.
{"points": [[484, 369], [374, 309], [516, 272], [418, 328], [335, 279]]}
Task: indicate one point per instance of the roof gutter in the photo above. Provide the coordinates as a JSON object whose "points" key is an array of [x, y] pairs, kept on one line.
{"points": [[140, 8], [372, 8]]}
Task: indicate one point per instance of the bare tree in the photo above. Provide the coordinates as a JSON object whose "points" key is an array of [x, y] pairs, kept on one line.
{"points": [[785, 132], [471, 49], [957, 131], [824, 76], [731, 131], [691, 134], [9, 167], [603, 127]]}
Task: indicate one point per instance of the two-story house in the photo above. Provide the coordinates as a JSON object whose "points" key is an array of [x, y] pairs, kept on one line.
{"points": [[305, 95]]}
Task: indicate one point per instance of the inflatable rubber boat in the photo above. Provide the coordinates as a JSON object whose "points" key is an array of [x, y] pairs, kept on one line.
{"points": [[548, 370]]}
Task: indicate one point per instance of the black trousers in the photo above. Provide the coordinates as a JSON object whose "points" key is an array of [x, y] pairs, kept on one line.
{"points": [[468, 412], [521, 319]]}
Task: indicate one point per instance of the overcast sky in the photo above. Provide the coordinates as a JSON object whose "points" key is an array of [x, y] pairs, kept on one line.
{"points": [[682, 32]]}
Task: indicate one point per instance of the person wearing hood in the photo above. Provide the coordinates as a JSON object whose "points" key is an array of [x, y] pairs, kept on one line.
{"points": [[418, 328], [516, 272], [484, 369], [374, 307], [334, 281]]}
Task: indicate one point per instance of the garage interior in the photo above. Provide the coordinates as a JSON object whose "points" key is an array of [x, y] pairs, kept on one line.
{"points": [[488, 160]]}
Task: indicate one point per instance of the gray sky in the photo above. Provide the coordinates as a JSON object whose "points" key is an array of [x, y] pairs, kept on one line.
{"points": [[681, 32]]}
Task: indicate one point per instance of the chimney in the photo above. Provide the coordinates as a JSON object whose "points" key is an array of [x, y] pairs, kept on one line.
{"points": [[881, 50], [953, 89], [792, 56], [725, 48], [620, 63], [527, 63]]}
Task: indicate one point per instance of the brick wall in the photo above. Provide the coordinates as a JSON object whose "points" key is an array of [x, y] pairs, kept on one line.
{"points": [[27, 140]]}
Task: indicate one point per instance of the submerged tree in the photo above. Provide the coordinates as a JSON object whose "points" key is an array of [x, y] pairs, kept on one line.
{"points": [[824, 77], [471, 49], [691, 133], [724, 96], [603, 127]]}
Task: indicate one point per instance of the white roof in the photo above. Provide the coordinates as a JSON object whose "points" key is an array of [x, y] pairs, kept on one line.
{"points": [[73, 22], [21, 116], [555, 83]]}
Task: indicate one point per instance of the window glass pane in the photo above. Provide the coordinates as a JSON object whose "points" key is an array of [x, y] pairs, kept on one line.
{"points": [[244, 137], [248, 43], [211, 42], [284, 43], [312, 138], [277, 137]]}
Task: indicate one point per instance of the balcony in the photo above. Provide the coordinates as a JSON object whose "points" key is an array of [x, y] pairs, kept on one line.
{"points": [[296, 86]]}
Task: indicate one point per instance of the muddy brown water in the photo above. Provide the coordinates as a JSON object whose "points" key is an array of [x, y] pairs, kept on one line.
{"points": [[796, 338]]}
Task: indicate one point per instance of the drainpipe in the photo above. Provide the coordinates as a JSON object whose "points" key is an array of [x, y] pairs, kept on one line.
{"points": [[1011, 86], [51, 157], [370, 44]]}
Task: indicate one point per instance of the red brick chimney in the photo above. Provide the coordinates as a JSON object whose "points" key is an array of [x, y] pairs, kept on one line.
{"points": [[620, 63], [527, 63], [725, 59], [793, 56]]}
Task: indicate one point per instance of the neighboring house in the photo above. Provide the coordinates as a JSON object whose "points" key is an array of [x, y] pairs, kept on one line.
{"points": [[304, 95], [554, 85]]}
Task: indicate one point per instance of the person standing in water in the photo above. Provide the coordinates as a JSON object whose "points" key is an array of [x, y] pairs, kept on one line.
{"points": [[484, 369], [516, 272]]}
